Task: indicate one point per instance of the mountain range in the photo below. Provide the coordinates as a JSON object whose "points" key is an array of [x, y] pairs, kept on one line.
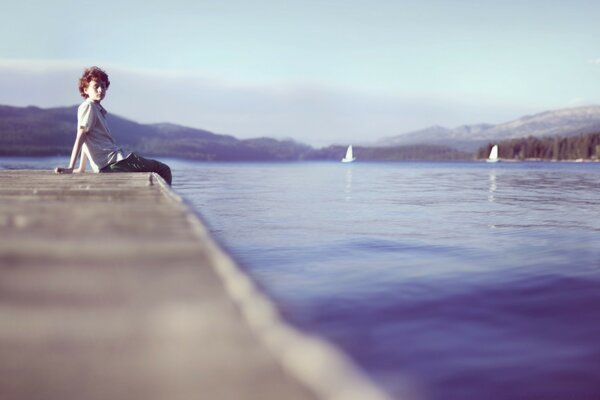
{"points": [[564, 122], [33, 131]]}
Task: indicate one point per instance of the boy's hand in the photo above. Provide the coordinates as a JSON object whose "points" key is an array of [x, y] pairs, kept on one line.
{"points": [[60, 170]]}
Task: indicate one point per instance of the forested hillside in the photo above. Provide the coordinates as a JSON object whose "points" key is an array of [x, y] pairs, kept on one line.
{"points": [[586, 147]]}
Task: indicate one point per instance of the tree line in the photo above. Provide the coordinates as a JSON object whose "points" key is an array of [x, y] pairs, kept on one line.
{"points": [[585, 147], [417, 152]]}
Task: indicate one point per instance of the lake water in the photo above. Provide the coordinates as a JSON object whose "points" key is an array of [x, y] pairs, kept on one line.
{"points": [[442, 280]]}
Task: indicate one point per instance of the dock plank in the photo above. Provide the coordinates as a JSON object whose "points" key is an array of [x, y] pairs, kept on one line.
{"points": [[105, 292]]}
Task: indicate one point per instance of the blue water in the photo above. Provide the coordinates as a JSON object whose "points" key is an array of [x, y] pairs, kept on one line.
{"points": [[442, 280]]}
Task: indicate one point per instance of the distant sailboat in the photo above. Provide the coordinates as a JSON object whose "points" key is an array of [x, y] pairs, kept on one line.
{"points": [[349, 157], [493, 154]]}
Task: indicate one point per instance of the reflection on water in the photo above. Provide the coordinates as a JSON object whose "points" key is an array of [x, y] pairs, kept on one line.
{"points": [[348, 188], [492, 196], [493, 186]]}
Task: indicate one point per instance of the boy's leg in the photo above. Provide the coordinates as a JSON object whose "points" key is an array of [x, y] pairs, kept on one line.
{"points": [[136, 163]]}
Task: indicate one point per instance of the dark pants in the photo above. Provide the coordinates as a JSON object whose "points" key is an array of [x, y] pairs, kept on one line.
{"points": [[136, 163]]}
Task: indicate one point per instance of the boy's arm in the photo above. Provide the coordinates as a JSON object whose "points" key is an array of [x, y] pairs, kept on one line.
{"points": [[82, 163], [75, 153]]}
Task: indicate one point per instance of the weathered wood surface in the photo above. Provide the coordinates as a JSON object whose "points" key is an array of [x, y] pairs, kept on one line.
{"points": [[110, 288], [106, 293]]}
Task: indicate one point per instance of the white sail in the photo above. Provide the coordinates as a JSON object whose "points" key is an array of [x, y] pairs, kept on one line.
{"points": [[349, 153], [349, 156], [493, 154]]}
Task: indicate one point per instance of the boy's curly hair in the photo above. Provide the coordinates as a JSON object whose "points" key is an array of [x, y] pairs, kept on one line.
{"points": [[92, 74]]}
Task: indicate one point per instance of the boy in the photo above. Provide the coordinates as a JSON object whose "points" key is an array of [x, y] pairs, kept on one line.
{"points": [[95, 139]]}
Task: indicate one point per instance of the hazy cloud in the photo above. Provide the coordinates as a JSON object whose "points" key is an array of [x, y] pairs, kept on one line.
{"points": [[313, 113], [578, 101]]}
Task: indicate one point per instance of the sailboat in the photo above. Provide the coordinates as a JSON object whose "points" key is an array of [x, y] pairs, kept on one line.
{"points": [[349, 157], [493, 154]]}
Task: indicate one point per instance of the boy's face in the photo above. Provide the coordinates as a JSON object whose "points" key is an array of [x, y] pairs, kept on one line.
{"points": [[96, 90]]}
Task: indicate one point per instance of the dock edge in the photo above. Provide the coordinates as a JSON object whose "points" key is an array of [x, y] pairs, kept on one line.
{"points": [[324, 369]]}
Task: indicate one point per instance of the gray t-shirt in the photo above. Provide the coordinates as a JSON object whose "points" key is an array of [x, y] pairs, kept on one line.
{"points": [[99, 145]]}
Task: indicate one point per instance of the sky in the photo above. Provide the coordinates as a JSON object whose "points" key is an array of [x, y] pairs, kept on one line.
{"points": [[320, 72]]}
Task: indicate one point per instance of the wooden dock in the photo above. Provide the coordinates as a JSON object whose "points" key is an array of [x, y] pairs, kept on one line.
{"points": [[111, 288]]}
